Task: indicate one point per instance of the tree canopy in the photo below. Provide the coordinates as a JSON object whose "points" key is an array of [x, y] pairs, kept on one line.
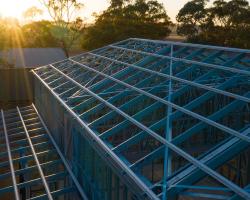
{"points": [[10, 33], [67, 26], [32, 12], [62, 31], [224, 23], [39, 34], [127, 18]]}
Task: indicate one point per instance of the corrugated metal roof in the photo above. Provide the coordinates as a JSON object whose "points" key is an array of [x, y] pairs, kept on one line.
{"points": [[32, 57]]}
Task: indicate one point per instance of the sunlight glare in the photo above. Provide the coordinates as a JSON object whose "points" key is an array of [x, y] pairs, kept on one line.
{"points": [[15, 8]]}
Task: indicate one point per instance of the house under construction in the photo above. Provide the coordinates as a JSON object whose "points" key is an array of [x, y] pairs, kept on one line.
{"points": [[138, 119]]}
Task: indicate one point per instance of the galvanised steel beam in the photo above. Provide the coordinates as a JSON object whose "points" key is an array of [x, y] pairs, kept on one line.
{"points": [[57, 193], [23, 142], [119, 74], [183, 136], [190, 105], [235, 197], [127, 105], [80, 190], [108, 153], [236, 50], [68, 90], [49, 178], [28, 157], [10, 158], [198, 85], [175, 95], [29, 169], [215, 158], [168, 133], [115, 128], [36, 158], [104, 149], [215, 116], [26, 148], [65, 60], [143, 62], [195, 162], [188, 112], [137, 116], [22, 117], [234, 70], [218, 155]]}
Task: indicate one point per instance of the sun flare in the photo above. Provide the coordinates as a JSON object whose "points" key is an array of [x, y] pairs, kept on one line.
{"points": [[15, 8], [10, 10]]}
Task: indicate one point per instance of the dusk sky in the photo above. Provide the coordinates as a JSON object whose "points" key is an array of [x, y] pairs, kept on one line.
{"points": [[15, 8]]}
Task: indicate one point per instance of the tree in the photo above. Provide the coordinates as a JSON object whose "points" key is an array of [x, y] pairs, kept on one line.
{"points": [[124, 19], [118, 3], [10, 33], [191, 18], [224, 23], [68, 27], [32, 12], [38, 34], [32, 35]]}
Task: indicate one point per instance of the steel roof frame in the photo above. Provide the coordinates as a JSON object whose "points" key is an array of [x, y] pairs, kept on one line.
{"points": [[67, 87], [15, 117]]}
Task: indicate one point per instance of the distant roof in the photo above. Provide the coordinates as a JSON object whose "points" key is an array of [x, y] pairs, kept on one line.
{"points": [[32, 57]]}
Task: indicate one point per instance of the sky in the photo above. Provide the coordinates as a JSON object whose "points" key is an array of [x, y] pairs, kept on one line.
{"points": [[15, 8]]}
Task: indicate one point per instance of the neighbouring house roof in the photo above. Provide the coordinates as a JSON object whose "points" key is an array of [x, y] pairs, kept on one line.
{"points": [[32, 57]]}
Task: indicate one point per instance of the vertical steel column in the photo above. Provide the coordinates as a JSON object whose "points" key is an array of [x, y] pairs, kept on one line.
{"points": [[75, 153], [10, 158], [35, 157], [168, 132]]}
